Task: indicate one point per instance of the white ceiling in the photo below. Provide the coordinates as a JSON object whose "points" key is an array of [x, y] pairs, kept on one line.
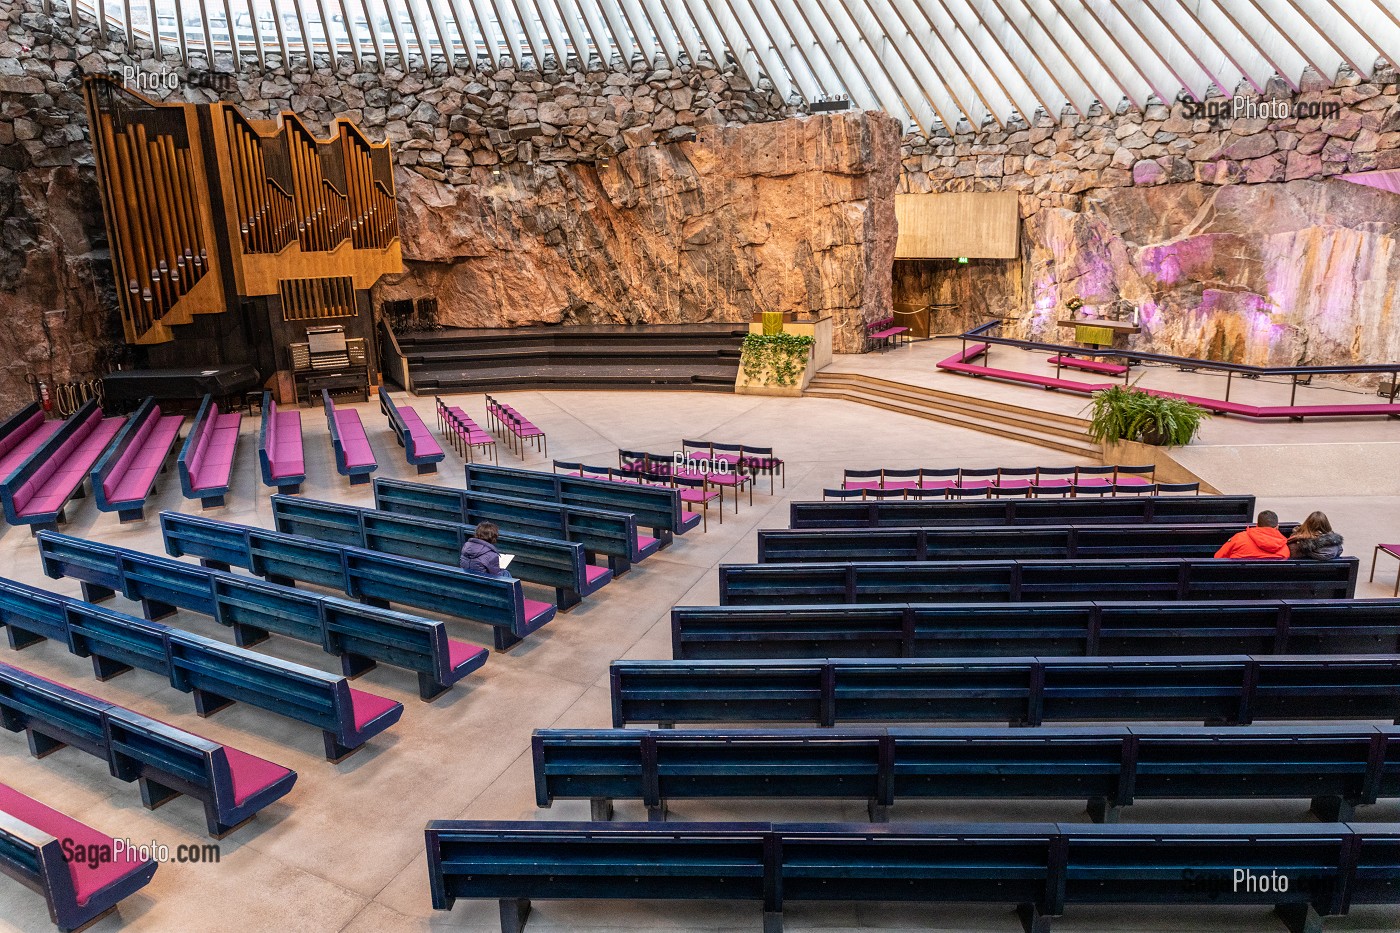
{"points": [[925, 61]]}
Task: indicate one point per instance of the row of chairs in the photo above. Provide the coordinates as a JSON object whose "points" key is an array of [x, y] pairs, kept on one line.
{"points": [[464, 434], [753, 460], [693, 490], [1006, 477], [517, 428], [1033, 491]]}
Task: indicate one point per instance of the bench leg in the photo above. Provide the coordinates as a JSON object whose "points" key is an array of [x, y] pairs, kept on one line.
{"points": [[1101, 811], [878, 812], [1299, 918], [658, 813], [154, 609], [104, 669], [95, 593], [246, 636], [277, 579], [1032, 920], [207, 704], [1332, 809], [219, 830], [600, 809], [132, 515], [375, 602], [772, 921], [211, 502], [429, 688], [566, 598], [353, 665], [153, 795], [664, 536], [426, 468], [359, 479], [335, 752], [618, 565], [41, 746], [210, 563], [505, 639], [20, 639], [514, 912]]}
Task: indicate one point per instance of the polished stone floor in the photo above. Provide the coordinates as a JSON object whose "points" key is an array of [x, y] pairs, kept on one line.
{"points": [[344, 851]]}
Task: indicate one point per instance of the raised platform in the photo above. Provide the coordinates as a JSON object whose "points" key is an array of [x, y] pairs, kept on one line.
{"points": [[641, 356]]}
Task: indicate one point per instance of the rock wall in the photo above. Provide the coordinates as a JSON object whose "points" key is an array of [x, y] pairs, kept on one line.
{"points": [[1233, 238]]}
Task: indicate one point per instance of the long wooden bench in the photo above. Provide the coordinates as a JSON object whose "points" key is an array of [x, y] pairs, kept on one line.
{"points": [[361, 636], [281, 457], [416, 438], [656, 507], [1009, 542], [1225, 689], [546, 561], [206, 461], [163, 760], [965, 630], [35, 841], [609, 533], [354, 457], [1337, 767], [1040, 868], [126, 475], [1158, 510], [37, 492], [1000, 581], [374, 578], [21, 434], [215, 673]]}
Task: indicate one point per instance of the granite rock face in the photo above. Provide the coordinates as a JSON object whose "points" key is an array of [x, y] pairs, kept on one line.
{"points": [[791, 215]]}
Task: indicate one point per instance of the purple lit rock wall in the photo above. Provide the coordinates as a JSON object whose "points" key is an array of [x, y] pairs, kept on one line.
{"points": [[1235, 239]]}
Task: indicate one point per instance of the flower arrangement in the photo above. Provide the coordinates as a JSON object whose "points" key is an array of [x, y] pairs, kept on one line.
{"points": [[1074, 304]]}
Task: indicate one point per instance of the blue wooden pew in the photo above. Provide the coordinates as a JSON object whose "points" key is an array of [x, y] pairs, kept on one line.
{"points": [[656, 507], [1041, 868], [1010, 542], [929, 513], [374, 578], [419, 446], [354, 457], [1338, 767], [35, 842], [163, 760], [361, 636], [600, 532], [1225, 689], [1003, 581], [547, 561], [219, 675], [964, 630]]}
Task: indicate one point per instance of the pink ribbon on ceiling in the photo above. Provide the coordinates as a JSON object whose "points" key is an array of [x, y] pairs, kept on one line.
{"points": [[1388, 180]]}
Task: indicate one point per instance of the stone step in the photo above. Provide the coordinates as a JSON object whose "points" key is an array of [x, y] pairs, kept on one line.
{"points": [[1044, 429]]}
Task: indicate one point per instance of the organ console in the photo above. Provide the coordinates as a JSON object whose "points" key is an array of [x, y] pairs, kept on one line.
{"points": [[232, 237]]}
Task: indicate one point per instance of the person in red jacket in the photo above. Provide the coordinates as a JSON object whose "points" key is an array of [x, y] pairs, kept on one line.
{"points": [[1262, 542]]}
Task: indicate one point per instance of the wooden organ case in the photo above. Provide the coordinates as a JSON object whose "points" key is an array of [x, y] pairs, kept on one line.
{"points": [[233, 238]]}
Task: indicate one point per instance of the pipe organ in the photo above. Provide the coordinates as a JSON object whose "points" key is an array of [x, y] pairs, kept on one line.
{"points": [[230, 236]]}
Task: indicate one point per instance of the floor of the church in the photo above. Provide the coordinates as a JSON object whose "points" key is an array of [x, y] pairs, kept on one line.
{"points": [[344, 851]]}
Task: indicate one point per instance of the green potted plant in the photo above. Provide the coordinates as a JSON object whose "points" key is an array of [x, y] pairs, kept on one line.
{"points": [[1127, 413]]}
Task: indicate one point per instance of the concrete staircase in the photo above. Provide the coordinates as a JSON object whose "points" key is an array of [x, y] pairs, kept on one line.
{"points": [[1046, 429]]}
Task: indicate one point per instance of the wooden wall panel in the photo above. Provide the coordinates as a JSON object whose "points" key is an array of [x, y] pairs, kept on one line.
{"points": [[975, 224]]}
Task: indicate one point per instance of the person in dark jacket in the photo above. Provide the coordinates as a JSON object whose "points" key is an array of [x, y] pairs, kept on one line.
{"points": [[1262, 541], [1314, 539], [479, 554]]}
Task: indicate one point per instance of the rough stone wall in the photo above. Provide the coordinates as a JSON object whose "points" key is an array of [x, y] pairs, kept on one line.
{"points": [[1233, 238]]}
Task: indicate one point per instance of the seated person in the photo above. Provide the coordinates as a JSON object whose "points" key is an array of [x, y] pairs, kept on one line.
{"points": [[1263, 541], [479, 554], [1315, 540]]}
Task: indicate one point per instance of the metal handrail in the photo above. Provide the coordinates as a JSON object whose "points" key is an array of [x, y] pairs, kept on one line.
{"points": [[982, 334]]}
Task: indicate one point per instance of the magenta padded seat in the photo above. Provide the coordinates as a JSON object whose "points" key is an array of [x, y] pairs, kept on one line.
{"points": [[460, 654], [534, 609], [370, 707], [251, 774]]}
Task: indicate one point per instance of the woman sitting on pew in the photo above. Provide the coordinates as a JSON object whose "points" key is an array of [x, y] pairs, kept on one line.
{"points": [[1262, 541], [479, 554], [1314, 539]]}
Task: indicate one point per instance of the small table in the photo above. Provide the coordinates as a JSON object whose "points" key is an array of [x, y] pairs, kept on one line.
{"points": [[1099, 332]]}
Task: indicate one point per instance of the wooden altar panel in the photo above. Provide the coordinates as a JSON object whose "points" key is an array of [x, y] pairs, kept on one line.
{"points": [[975, 224]]}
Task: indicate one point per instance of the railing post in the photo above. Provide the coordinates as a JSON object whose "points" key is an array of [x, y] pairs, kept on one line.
{"points": [[1229, 375], [1293, 395]]}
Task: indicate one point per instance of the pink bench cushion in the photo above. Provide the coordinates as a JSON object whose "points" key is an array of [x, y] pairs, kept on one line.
{"points": [[593, 572], [369, 707], [30, 443], [534, 609], [353, 441], [20, 433], [214, 459], [66, 469], [286, 453], [143, 467], [645, 541], [1093, 366], [689, 519], [460, 654], [86, 881], [424, 443], [251, 774]]}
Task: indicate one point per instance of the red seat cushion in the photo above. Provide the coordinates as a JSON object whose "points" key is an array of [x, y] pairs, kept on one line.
{"points": [[369, 707], [689, 519], [534, 609], [459, 653], [645, 541], [87, 881], [593, 571], [251, 774]]}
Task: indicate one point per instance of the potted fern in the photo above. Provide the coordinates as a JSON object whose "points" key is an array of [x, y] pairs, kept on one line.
{"points": [[1126, 413]]}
